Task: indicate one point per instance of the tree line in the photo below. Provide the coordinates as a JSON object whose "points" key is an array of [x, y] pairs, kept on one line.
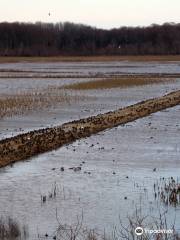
{"points": [[47, 39]]}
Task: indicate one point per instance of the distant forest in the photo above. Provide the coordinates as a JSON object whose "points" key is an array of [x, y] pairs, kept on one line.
{"points": [[46, 39]]}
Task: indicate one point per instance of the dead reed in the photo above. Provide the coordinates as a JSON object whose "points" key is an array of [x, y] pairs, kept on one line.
{"points": [[11, 230], [168, 191], [117, 82], [78, 230], [23, 103]]}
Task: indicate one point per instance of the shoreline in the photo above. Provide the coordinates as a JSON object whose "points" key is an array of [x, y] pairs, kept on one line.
{"points": [[96, 58], [30, 144]]}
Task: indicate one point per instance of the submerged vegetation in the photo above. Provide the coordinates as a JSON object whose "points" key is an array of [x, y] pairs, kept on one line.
{"points": [[116, 82], [24, 103]]}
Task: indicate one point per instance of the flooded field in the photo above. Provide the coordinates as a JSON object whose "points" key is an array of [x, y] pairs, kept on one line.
{"points": [[99, 180]]}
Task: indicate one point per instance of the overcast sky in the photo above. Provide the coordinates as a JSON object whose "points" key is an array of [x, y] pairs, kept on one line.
{"points": [[98, 13]]}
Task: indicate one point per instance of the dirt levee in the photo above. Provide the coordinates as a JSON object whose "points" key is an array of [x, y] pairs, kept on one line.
{"points": [[39, 141]]}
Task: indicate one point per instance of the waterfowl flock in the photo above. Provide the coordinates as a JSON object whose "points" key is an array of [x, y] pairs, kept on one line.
{"points": [[29, 144]]}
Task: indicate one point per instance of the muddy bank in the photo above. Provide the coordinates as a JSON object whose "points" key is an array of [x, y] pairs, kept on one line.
{"points": [[27, 145], [144, 58]]}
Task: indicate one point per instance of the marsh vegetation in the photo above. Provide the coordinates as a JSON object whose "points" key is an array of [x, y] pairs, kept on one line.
{"points": [[117, 82], [26, 103], [106, 176], [11, 230]]}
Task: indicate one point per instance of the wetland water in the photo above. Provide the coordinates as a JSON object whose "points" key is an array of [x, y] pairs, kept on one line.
{"points": [[117, 165]]}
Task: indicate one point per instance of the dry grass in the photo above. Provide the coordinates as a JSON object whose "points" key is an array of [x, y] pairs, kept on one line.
{"points": [[120, 231], [116, 82], [90, 58], [9, 230], [168, 191], [25, 103]]}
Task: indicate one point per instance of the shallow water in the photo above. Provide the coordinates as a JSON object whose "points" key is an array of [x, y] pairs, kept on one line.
{"points": [[132, 150], [90, 68], [100, 195], [95, 102]]}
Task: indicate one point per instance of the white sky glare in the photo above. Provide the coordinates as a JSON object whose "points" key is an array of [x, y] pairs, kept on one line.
{"points": [[98, 13]]}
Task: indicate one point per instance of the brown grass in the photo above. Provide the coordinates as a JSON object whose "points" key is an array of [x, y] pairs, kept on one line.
{"points": [[91, 58], [24, 103], [9, 230], [116, 82]]}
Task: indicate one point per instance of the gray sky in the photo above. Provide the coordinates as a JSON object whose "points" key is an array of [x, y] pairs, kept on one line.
{"points": [[98, 13]]}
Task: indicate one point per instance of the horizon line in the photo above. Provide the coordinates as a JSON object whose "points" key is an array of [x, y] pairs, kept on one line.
{"points": [[88, 25]]}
